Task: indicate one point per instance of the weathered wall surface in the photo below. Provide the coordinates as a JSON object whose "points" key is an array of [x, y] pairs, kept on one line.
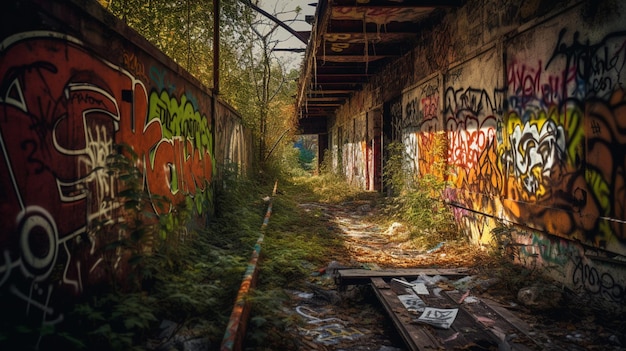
{"points": [[233, 142], [530, 98], [74, 84]]}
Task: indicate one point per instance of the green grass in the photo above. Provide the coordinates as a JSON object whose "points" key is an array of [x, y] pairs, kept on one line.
{"points": [[194, 272]]}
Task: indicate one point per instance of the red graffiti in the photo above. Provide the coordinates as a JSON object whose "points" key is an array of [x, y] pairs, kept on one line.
{"points": [[468, 138], [430, 107], [62, 113], [533, 83]]}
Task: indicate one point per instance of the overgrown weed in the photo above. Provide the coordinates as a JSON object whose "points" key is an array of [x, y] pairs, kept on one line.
{"points": [[329, 186], [297, 243], [418, 201], [183, 271]]}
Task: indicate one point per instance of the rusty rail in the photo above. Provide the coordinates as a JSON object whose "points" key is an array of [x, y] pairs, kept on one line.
{"points": [[238, 322]]}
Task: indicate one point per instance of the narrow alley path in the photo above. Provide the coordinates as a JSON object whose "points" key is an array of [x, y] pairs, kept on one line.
{"points": [[349, 319], [330, 316]]}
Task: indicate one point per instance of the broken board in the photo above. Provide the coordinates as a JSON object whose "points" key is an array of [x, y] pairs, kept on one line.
{"points": [[363, 276], [476, 323]]}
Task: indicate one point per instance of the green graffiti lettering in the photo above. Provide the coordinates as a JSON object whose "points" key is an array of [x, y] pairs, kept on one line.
{"points": [[179, 119]]}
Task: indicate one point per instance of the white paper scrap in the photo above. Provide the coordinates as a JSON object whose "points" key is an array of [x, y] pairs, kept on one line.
{"points": [[420, 289], [412, 302], [439, 317]]}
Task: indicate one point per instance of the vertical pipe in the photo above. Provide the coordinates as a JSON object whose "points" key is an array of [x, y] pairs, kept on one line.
{"points": [[188, 36], [216, 79], [216, 47]]}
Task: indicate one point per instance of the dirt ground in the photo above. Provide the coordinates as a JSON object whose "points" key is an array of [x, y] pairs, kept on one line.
{"points": [[350, 318]]}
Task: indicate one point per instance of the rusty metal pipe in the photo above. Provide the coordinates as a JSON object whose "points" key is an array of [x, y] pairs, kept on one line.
{"points": [[238, 322]]}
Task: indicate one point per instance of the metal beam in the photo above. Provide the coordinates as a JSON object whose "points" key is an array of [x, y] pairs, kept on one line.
{"points": [[276, 20]]}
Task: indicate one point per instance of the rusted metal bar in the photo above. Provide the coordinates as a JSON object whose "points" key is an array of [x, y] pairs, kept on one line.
{"points": [[293, 32], [216, 47], [238, 322]]}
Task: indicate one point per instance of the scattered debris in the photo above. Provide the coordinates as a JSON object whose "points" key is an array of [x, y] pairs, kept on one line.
{"points": [[487, 317], [540, 296], [395, 228], [438, 317], [436, 248]]}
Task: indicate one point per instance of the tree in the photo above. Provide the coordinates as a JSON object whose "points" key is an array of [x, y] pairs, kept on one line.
{"points": [[253, 79], [183, 29], [272, 82]]}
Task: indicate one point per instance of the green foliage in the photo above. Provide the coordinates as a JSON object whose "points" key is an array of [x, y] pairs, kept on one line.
{"points": [[418, 201], [424, 210], [266, 325], [252, 78], [178, 269], [137, 224], [296, 243], [305, 158], [183, 29], [112, 321], [394, 172], [291, 163]]}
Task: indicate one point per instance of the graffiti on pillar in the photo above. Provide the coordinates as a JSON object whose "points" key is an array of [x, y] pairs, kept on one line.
{"points": [[419, 124], [354, 153], [393, 118]]}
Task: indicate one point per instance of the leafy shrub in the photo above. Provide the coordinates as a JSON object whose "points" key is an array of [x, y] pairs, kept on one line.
{"points": [[418, 200]]}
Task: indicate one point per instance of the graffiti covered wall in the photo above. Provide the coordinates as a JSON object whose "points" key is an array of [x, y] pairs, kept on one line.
{"points": [[419, 124], [532, 103], [233, 149], [565, 152], [74, 93], [473, 108]]}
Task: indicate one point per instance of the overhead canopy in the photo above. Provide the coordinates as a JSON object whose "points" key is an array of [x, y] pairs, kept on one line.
{"points": [[351, 40]]}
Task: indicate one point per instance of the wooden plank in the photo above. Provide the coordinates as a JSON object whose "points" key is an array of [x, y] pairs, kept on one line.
{"points": [[464, 332], [379, 283], [496, 324], [363, 276], [478, 325], [416, 337], [515, 321]]}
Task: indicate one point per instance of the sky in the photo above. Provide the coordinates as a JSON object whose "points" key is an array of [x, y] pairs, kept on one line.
{"points": [[293, 60]]}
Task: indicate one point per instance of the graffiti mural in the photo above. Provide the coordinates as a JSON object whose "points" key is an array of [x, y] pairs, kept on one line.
{"points": [[565, 139], [181, 162], [420, 121], [567, 260], [63, 113], [473, 107], [535, 131]]}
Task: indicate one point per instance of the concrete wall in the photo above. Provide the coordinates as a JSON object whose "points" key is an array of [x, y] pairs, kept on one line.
{"points": [[74, 83], [529, 97]]}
